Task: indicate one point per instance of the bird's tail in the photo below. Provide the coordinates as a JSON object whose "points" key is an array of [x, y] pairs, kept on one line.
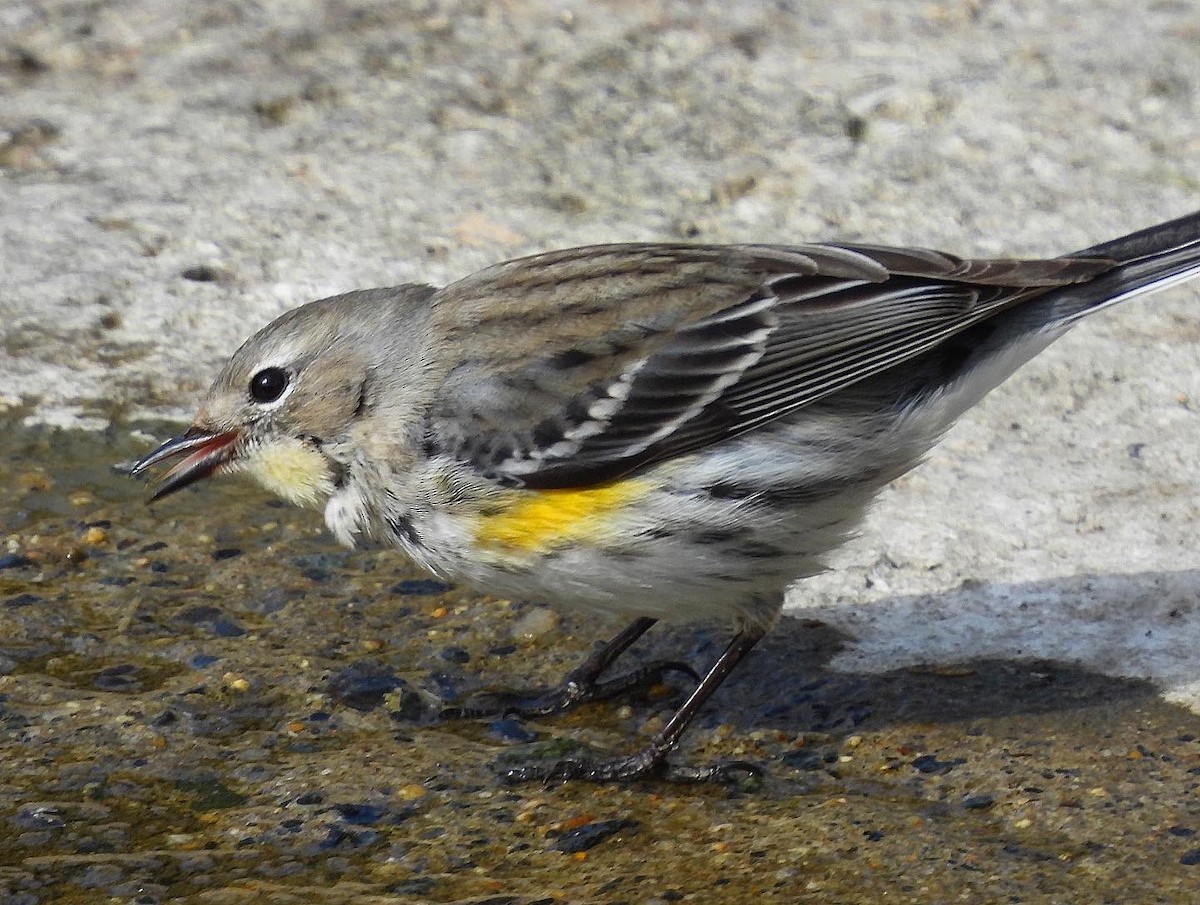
{"points": [[1147, 261]]}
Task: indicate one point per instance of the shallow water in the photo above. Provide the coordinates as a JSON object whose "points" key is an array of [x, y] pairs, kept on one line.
{"points": [[208, 700]]}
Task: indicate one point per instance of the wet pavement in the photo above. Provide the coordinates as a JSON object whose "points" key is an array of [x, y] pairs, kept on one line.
{"points": [[207, 700]]}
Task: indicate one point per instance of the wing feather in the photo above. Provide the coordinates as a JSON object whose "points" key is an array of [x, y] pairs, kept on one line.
{"points": [[587, 363]]}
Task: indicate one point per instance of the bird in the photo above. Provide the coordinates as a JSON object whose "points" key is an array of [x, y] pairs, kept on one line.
{"points": [[658, 431]]}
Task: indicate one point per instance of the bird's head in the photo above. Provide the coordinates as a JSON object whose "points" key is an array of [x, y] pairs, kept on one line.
{"points": [[284, 406]]}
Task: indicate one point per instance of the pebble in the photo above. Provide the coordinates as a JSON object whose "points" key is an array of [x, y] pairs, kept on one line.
{"points": [[198, 615], [928, 763], [115, 581], [808, 760], [360, 814], [34, 480], [405, 705], [227, 628], [363, 685], [94, 536], [511, 730], [122, 677], [416, 886], [210, 794], [40, 816], [204, 273], [588, 836], [341, 838], [535, 624], [978, 802], [420, 587]]}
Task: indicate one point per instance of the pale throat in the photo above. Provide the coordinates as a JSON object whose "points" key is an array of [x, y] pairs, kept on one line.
{"points": [[290, 468]]}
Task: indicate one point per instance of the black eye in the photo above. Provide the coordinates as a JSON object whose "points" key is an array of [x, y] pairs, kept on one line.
{"points": [[268, 384]]}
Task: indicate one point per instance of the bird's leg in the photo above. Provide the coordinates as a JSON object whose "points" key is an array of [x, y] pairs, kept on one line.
{"points": [[581, 684], [652, 760]]}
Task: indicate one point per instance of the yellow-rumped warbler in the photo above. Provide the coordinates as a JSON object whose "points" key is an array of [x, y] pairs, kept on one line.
{"points": [[663, 431]]}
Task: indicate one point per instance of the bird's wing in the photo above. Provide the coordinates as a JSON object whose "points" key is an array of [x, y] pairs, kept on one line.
{"points": [[581, 365]]}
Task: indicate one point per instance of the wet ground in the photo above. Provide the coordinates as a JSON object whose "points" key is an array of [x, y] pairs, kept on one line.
{"points": [[207, 700]]}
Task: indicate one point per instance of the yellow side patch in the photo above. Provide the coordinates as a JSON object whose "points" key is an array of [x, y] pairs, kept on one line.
{"points": [[544, 519], [292, 469]]}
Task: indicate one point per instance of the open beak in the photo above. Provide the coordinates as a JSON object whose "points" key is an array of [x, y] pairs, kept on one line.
{"points": [[205, 452]]}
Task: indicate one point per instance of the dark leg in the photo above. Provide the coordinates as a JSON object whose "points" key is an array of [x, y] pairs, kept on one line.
{"points": [[581, 684], [653, 758]]}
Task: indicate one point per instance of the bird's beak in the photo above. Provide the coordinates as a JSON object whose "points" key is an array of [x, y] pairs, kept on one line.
{"points": [[208, 452]]}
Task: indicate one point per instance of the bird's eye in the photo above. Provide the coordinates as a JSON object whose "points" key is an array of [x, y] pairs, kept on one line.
{"points": [[268, 384]]}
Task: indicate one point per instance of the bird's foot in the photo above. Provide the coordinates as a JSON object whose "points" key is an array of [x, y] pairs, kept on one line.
{"points": [[649, 763], [573, 691]]}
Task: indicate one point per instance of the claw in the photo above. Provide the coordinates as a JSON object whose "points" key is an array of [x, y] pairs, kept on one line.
{"points": [[505, 702], [740, 773], [648, 763], [498, 703]]}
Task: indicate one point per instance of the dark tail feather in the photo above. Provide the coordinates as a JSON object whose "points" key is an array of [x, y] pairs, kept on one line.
{"points": [[1148, 260], [1153, 240]]}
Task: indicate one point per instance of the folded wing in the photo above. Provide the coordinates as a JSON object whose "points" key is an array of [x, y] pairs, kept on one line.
{"points": [[592, 362]]}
